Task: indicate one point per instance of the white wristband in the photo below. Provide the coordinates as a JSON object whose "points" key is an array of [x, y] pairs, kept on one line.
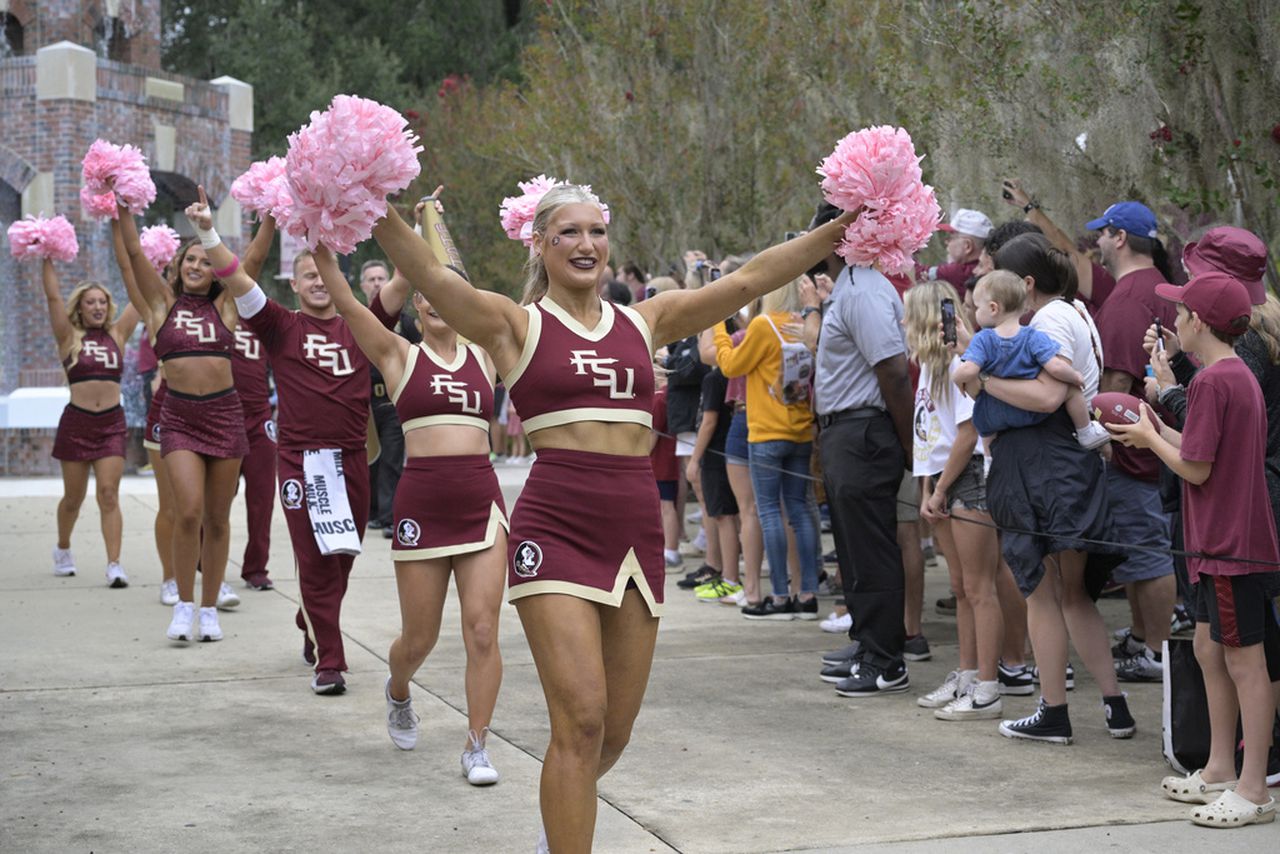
{"points": [[208, 238], [252, 302]]}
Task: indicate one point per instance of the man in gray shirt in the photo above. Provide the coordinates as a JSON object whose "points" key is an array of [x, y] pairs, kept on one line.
{"points": [[863, 403]]}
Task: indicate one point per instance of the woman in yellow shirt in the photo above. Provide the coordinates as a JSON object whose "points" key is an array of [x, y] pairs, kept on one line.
{"points": [[779, 441]]}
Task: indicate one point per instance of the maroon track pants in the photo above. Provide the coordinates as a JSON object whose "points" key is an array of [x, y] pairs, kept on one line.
{"points": [[322, 581], [259, 472]]}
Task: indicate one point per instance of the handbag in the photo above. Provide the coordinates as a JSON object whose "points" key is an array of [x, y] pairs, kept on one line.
{"points": [[1185, 722]]}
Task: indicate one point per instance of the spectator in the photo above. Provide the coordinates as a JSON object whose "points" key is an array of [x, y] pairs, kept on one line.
{"points": [[634, 278], [967, 233]]}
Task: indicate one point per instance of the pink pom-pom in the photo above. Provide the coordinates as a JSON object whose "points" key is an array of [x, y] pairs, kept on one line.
{"points": [[38, 237], [101, 206], [265, 189], [877, 169], [159, 243], [121, 168], [342, 166], [517, 212]]}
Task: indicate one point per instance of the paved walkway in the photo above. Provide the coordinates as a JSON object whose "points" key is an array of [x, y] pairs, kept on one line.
{"points": [[113, 740]]}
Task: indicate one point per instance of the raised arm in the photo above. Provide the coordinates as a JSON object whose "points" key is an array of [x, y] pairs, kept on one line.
{"points": [[136, 298], [58, 320], [383, 347], [1018, 197], [238, 282], [678, 314], [153, 291], [256, 255], [492, 320]]}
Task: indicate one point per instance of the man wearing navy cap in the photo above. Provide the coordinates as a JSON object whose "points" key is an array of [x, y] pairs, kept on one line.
{"points": [[1129, 243]]}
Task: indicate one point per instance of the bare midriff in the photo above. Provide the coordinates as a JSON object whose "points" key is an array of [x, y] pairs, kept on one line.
{"points": [[95, 395], [446, 440], [198, 375], [597, 437]]}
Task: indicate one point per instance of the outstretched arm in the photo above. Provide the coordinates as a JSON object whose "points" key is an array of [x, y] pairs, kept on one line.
{"points": [[678, 314], [491, 320], [153, 291], [381, 345], [239, 283], [58, 320], [256, 255]]}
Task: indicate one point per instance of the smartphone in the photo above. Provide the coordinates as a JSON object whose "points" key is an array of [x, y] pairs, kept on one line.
{"points": [[713, 273], [650, 292], [1004, 191], [790, 235], [948, 321], [1159, 335]]}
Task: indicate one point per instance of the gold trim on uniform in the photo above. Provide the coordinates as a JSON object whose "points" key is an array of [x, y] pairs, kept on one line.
{"points": [[496, 520], [628, 570]]}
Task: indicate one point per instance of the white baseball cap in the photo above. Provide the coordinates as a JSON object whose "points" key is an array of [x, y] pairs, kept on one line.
{"points": [[969, 223]]}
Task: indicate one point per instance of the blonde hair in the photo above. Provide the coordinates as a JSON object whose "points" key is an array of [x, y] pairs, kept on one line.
{"points": [[77, 322], [922, 320], [783, 299], [661, 284], [1266, 322], [535, 271], [1008, 289]]}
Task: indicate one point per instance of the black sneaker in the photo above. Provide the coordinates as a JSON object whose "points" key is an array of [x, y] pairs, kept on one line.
{"points": [[946, 606], [698, 577], [916, 649], [1049, 723], [770, 610], [1181, 621], [806, 610], [835, 673], [1119, 722], [867, 680], [840, 656], [831, 557], [1071, 676], [1016, 681]]}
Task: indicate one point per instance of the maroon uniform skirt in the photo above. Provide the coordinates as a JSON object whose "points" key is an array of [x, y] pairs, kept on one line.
{"points": [[84, 435], [446, 506], [587, 525], [151, 438], [210, 425]]}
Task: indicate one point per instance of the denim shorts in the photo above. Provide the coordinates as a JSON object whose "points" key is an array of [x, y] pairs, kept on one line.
{"points": [[735, 443], [969, 490], [1139, 520]]}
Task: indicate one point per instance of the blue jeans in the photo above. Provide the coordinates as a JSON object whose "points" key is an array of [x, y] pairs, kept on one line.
{"points": [[779, 475]]}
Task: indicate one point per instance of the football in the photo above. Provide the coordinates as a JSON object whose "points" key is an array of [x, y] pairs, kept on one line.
{"points": [[1116, 407]]}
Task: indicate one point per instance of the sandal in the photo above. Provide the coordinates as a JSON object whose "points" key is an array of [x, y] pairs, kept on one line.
{"points": [[1232, 810], [1191, 789]]}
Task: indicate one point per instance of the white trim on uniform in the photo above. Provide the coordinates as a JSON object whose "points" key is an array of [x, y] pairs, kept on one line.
{"points": [[532, 334], [638, 319], [628, 570], [410, 361], [455, 418], [496, 520], [588, 413], [603, 326]]}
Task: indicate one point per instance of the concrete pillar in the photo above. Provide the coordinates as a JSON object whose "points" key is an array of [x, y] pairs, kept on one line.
{"points": [[37, 197], [239, 102], [65, 70]]}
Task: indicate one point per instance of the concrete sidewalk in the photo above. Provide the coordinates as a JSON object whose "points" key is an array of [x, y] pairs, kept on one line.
{"points": [[114, 740]]}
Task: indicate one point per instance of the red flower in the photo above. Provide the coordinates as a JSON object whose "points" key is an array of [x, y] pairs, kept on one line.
{"points": [[412, 115], [1161, 134], [630, 97], [1236, 143], [1275, 133]]}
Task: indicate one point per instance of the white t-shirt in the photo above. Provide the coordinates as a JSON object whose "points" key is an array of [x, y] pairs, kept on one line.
{"points": [[1070, 325], [934, 423]]}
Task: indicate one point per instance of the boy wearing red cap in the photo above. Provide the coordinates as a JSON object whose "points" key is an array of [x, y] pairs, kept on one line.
{"points": [[1219, 455]]}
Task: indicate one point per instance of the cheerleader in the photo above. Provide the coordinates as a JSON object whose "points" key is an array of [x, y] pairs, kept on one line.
{"points": [[91, 432]]}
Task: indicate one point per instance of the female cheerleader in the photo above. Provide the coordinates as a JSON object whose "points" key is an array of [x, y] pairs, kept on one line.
{"points": [[580, 371]]}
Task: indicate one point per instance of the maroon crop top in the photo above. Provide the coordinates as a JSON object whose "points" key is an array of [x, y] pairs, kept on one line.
{"points": [[434, 392], [99, 359], [193, 328], [568, 373]]}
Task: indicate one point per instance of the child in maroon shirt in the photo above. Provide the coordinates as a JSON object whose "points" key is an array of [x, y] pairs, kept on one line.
{"points": [[1219, 455]]}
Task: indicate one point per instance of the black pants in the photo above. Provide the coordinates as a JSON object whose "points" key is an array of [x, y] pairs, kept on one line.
{"points": [[862, 467], [384, 472]]}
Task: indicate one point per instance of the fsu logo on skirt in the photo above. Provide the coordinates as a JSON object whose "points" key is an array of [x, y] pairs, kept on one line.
{"points": [[528, 559]]}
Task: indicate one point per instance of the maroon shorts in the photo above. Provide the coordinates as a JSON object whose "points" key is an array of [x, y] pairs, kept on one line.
{"points": [[446, 506], [84, 435], [587, 525], [151, 436], [210, 425]]}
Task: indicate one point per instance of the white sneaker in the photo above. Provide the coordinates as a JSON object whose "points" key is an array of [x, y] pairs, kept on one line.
{"points": [[542, 848], [837, 624], [737, 599], [944, 693], [169, 592], [1093, 436], [209, 628], [972, 705], [402, 723], [694, 516], [476, 766], [180, 628], [227, 598], [115, 576], [63, 563]]}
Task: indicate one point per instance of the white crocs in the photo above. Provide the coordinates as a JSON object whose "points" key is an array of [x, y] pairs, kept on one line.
{"points": [[1192, 789], [1232, 810]]}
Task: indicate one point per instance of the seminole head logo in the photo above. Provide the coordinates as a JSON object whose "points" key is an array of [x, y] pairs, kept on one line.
{"points": [[408, 532], [527, 560], [291, 494]]}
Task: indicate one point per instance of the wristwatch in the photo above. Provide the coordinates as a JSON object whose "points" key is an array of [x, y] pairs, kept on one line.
{"points": [[808, 310], [983, 376], [1031, 206]]}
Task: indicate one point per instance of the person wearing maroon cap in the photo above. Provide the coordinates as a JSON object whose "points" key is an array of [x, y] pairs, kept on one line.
{"points": [[1235, 558]]}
